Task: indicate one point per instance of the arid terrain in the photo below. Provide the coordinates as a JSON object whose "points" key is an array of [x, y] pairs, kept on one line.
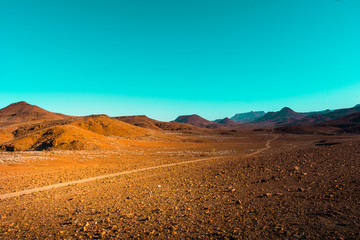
{"points": [[182, 119], [97, 177]]}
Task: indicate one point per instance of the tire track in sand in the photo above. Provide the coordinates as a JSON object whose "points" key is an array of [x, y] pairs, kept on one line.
{"points": [[58, 185]]}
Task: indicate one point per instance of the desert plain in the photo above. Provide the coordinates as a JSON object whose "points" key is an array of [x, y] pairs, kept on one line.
{"points": [[121, 181]]}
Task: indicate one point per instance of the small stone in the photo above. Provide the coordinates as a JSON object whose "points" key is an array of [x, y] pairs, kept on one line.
{"points": [[267, 195], [145, 219], [296, 168]]}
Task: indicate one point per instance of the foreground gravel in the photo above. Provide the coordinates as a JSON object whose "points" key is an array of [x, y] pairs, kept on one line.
{"points": [[308, 193]]}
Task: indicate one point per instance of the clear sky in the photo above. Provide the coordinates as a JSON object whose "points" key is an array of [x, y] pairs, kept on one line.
{"points": [[165, 58]]}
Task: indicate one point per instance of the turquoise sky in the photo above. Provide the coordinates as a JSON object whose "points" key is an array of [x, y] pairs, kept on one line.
{"points": [[165, 58]]}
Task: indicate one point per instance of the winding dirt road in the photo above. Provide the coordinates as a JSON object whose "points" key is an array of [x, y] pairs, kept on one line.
{"points": [[267, 146], [39, 189]]}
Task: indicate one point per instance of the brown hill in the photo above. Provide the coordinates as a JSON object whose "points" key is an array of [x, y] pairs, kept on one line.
{"points": [[349, 123], [197, 121], [104, 125], [319, 118], [226, 121], [312, 119], [309, 129], [146, 122], [86, 133], [284, 117], [22, 112], [139, 121]]}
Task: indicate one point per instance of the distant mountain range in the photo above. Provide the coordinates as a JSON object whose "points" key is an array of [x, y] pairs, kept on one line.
{"points": [[248, 116], [318, 112], [284, 117], [347, 124], [28, 127], [22, 112], [318, 118]]}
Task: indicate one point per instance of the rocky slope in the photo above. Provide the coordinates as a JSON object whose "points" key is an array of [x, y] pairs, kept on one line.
{"points": [[86, 133]]}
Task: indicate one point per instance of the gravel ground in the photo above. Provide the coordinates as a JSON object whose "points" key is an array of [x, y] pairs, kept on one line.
{"points": [[307, 192]]}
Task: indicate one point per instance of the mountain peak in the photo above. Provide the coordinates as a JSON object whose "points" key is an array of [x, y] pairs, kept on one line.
{"points": [[190, 118], [23, 111], [21, 103], [195, 120], [286, 110], [226, 121], [19, 107], [281, 118]]}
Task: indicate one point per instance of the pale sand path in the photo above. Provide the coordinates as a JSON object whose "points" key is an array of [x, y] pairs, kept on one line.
{"points": [[58, 185], [267, 146]]}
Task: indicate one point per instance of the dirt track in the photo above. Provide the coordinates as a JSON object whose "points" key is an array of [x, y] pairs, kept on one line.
{"points": [[14, 194], [29, 191], [267, 147]]}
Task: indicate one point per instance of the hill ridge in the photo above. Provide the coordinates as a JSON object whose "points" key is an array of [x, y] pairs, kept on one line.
{"points": [[22, 111]]}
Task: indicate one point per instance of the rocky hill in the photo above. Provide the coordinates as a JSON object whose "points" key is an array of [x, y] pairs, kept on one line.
{"points": [[22, 112]]}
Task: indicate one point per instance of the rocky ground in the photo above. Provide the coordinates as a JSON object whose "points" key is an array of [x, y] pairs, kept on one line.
{"points": [[302, 187]]}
